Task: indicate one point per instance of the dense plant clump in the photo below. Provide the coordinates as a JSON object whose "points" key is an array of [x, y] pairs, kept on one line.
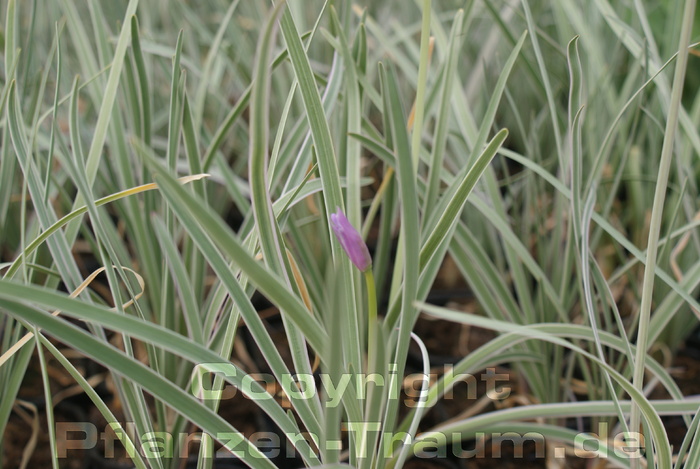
{"points": [[330, 234]]}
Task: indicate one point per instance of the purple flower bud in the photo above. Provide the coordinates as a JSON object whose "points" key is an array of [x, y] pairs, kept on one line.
{"points": [[351, 241]]}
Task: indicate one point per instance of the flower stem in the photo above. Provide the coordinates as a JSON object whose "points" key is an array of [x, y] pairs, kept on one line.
{"points": [[371, 318]]}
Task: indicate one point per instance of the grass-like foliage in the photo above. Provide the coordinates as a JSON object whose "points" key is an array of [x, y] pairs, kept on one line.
{"points": [[175, 174]]}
